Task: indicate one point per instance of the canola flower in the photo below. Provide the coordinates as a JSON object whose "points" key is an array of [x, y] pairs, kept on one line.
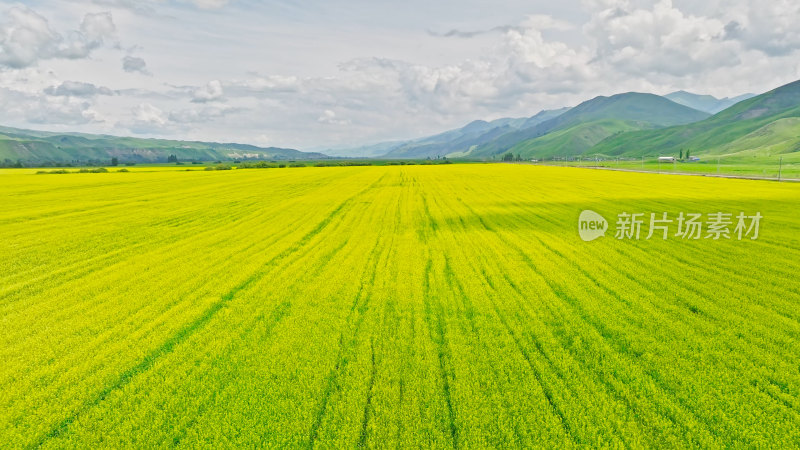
{"points": [[412, 306]]}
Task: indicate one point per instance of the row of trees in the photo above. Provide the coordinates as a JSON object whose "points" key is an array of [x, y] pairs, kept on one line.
{"points": [[18, 164]]}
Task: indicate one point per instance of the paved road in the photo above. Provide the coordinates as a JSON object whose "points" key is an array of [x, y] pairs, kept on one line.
{"points": [[714, 175]]}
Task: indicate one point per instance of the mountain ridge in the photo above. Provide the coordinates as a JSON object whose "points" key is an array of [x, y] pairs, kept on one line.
{"points": [[625, 124], [706, 103], [710, 134], [34, 146], [647, 110]]}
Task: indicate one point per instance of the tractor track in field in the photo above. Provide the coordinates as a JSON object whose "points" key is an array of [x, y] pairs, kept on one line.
{"points": [[603, 332], [172, 304], [278, 313], [438, 336], [362, 437], [581, 313], [184, 333], [461, 293], [450, 306], [572, 301], [609, 338], [555, 408], [692, 287], [359, 307], [676, 280], [165, 348], [284, 306], [282, 309]]}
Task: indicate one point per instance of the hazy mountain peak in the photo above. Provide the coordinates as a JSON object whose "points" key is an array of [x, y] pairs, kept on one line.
{"points": [[476, 125], [706, 103]]}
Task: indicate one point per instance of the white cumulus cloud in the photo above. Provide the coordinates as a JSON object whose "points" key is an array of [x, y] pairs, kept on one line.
{"points": [[660, 39], [149, 114], [208, 93], [26, 37]]}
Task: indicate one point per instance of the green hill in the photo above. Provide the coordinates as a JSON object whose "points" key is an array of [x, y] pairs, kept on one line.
{"points": [[779, 137], [645, 110], [40, 147], [711, 135], [575, 140]]}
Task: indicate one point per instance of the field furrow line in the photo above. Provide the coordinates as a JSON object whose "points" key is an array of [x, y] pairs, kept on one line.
{"points": [[437, 334]]}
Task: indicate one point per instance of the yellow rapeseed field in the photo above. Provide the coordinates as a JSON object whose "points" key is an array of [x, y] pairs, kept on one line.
{"points": [[414, 306]]}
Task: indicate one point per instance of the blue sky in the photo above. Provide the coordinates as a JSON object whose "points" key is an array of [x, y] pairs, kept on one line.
{"points": [[320, 74]]}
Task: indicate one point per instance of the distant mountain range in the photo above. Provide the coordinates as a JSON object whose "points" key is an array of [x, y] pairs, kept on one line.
{"points": [[444, 144], [40, 147], [706, 103], [629, 124], [632, 124], [579, 129], [563, 131]]}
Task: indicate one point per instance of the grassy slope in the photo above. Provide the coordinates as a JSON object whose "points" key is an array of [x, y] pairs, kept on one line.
{"points": [[778, 137], [712, 134], [647, 108], [574, 140]]}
